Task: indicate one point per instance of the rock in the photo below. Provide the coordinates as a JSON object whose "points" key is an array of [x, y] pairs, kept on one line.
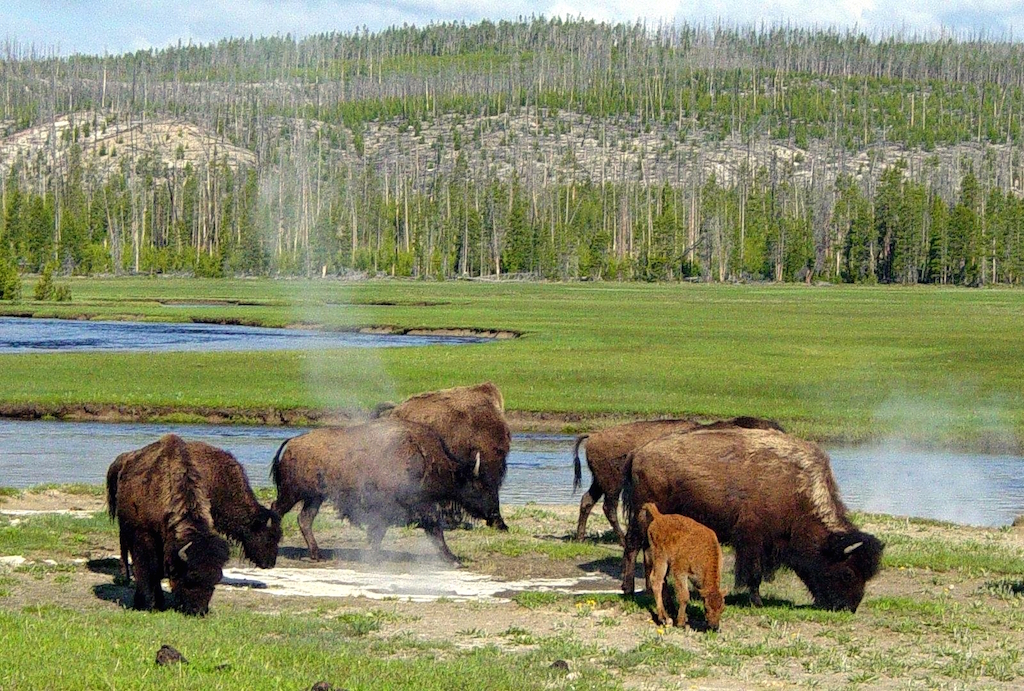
{"points": [[1018, 522], [11, 562], [169, 656], [560, 665], [321, 686]]}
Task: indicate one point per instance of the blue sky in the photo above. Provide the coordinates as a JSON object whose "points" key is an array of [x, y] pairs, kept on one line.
{"points": [[117, 26]]}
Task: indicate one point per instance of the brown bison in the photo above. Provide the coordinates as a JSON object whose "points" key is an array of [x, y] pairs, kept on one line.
{"points": [[772, 496], [236, 512], [379, 473], [686, 549], [606, 457], [471, 421], [163, 515]]}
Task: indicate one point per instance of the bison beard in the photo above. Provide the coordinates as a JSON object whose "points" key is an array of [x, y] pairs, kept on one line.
{"points": [[770, 495]]}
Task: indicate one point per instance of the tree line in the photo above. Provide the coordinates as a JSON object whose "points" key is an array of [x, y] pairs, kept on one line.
{"points": [[377, 153]]}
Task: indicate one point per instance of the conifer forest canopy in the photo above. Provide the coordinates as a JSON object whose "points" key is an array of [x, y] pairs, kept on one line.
{"points": [[537, 148]]}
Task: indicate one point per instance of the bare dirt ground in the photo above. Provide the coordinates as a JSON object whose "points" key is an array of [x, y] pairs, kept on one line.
{"points": [[917, 627]]}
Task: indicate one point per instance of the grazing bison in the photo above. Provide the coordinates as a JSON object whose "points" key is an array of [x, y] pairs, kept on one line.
{"points": [[471, 422], [236, 512], [379, 473], [686, 549], [163, 515], [772, 496], [606, 457]]}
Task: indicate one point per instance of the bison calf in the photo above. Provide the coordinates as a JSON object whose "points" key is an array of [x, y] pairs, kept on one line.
{"points": [[686, 549]]}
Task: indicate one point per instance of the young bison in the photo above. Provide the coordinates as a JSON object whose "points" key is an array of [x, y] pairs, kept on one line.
{"points": [[689, 550]]}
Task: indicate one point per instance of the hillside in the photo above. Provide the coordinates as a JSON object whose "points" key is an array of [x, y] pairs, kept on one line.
{"points": [[558, 149]]}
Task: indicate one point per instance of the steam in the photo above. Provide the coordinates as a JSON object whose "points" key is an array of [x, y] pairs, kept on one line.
{"points": [[918, 467]]}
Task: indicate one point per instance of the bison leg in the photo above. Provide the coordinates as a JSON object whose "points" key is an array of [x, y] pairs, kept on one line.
{"points": [[146, 563], [632, 545], [611, 511], [656, 581], [682, 584], [124, 569], [748, 568], [310, 507], [433, 528], [375, 535], [587, 502]]}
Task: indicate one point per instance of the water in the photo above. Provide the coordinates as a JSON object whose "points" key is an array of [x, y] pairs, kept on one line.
{"points": [[19, 335], [972, 489]]}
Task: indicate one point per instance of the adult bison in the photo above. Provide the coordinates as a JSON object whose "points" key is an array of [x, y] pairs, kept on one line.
{"points": [[235, 510], [607, 450], [163, 516], [471, 421], [378, 473], [771, 495]]}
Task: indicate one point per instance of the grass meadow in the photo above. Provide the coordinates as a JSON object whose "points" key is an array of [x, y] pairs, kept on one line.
{"points": [[830, 362]]}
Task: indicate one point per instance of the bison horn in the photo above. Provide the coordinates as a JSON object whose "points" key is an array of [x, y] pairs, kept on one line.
{"points": [[852, 547], [181, 552], [476, 468], [270, 523]]}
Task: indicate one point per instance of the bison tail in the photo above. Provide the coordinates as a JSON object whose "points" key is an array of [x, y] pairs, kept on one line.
{"points": [[628, 500], [577, 468], [275, 465], [112, 472]]}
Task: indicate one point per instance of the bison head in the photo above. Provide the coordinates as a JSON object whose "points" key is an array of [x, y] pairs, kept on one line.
{"points": [[261, 537], [477, 495], [849, 561], [195, 569]]}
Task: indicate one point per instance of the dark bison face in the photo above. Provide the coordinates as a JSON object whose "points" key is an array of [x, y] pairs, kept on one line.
{"points": [[196, 568], [479, 496], [849, 561], [261, 537]]}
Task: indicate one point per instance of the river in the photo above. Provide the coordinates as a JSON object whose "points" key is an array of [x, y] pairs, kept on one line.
{"points": [[966, 488]]}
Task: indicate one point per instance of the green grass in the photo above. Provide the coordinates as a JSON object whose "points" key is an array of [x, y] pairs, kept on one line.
{"points": [[970, 557], [841, 362], [53, 647]]}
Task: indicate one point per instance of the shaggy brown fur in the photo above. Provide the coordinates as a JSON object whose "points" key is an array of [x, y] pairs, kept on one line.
{"points": [[380, 473], [471, 421], [772, 496], [686, 549], [163, 515], [607, 450], [235, 510]]}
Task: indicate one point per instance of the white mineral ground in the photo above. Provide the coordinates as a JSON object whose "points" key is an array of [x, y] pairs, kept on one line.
{"points": [[421, 586]]}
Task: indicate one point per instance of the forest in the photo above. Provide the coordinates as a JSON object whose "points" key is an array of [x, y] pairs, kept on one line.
{"points": [[531, 149]]}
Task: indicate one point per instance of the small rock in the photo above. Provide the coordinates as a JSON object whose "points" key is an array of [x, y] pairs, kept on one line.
{"points": [[16, 560], [561, 665], [321, 686], [168, 655], [1018, 522]]}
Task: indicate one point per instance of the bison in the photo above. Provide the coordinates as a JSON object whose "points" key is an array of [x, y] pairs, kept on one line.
{"points": [[378, 473], [606, 457], [471, 421], [163, 515], [772, 496], [236, 512], [686, 549]]}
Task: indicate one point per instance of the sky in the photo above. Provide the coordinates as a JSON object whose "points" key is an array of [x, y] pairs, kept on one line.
{"points": [[118, 26]]}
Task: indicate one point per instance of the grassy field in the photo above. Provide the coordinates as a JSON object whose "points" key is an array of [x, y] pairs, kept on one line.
{"points": [[947, 611], [829, 362]]}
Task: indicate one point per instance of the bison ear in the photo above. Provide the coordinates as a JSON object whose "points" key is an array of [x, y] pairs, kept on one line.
{"points": [[476, 468], [183, 550], [852, 547]]}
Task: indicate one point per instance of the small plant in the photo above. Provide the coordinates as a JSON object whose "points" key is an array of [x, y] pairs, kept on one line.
{"points": [[46, 289]]}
